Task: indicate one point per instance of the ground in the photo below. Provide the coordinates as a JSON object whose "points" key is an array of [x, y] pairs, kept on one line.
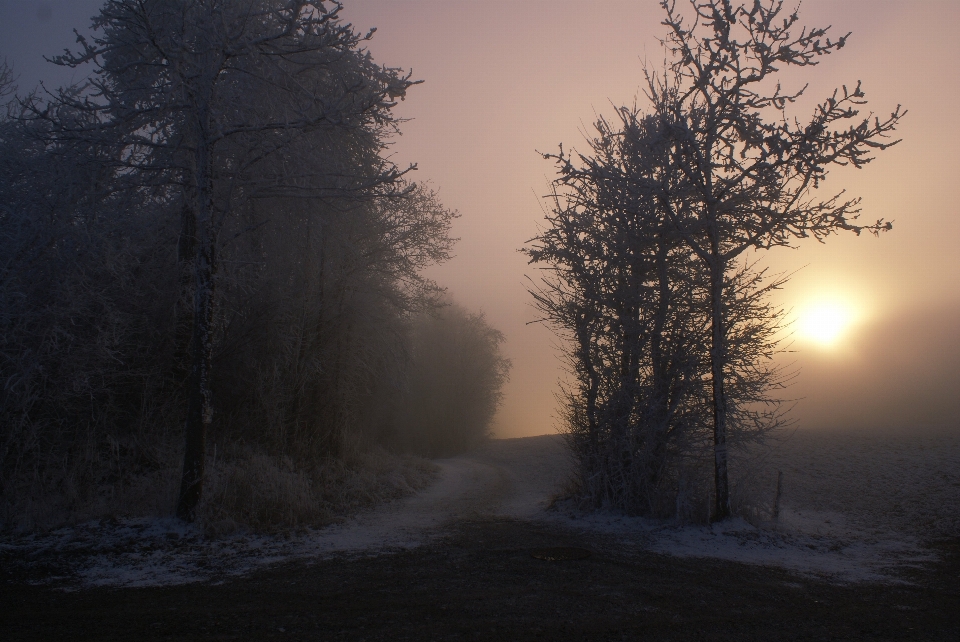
{"points": [[454, 562]]}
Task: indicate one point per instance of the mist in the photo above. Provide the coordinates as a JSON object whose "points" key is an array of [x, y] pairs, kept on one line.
{"points": [[431, 325], [896, 373], [484, 112], [550, 75]]}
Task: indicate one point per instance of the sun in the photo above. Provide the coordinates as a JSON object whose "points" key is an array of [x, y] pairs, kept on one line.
{"points": [[825, 322]]}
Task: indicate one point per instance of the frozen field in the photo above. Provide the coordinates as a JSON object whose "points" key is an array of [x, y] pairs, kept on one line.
{"points": [[903, 481], [856, 506]]}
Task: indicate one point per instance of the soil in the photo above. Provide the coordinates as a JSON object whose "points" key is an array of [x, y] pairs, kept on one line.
{"points": [[482, 584], [476, 579]]}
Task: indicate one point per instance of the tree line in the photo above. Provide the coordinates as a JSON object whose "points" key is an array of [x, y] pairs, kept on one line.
{"points": [[206, 243], [667, 322]]}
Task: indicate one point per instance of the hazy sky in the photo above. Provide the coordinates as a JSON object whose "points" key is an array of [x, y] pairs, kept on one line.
{"points": [[504, 80]]}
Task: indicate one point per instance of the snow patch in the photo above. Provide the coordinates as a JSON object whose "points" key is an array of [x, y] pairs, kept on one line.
{"points": [[837, 556], [855, 508]]}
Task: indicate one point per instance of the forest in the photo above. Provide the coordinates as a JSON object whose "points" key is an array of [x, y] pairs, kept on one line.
{"points": [[211, 295]]}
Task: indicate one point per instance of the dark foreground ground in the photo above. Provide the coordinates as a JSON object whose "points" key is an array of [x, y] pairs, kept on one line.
{"points": [[483, 584]]}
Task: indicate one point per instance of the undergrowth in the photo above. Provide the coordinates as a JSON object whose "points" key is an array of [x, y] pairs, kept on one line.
{"points": [[246, 489], [271, 494]]}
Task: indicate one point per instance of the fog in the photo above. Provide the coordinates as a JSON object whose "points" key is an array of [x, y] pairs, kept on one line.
{"points": [[505, 80], [897, 372], [249, 356]]}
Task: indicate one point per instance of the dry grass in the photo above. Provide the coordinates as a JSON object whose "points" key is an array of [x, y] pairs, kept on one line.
{"points": [[907, 480], [269, 494], [250, 489]]}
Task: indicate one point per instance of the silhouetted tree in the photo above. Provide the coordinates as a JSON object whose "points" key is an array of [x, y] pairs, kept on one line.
{"points": [[748, 173], [216, 201], [82, 309], [316, 306], [7, 79], [231, 102], [625, 292], [620, 291]]}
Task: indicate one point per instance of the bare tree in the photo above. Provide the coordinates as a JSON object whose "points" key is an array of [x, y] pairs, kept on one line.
{"points": [[749, 173], [311, 274], [7, 80], [624, 291], [316, 308], [619, 290], [82, 310]]}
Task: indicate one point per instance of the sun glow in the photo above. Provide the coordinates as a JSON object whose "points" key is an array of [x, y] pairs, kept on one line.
{"points": [[825, 322]]}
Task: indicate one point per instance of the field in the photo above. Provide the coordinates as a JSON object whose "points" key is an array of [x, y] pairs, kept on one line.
{"points": [[866, 547], [855, 506]]}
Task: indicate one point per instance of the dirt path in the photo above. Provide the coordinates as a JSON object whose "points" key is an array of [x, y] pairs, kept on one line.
{"points": [[506, 478], [454, 562], [513, 478], [510, 478]]}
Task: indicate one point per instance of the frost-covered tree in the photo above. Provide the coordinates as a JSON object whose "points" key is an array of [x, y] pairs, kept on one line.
{"points": [[750, 174], [286, 268], [623, 289], [315, 309], [7, 86], [82, 314], [617, 288], [226, 103]]}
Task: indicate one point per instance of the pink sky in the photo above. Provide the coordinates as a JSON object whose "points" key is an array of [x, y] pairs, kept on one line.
{"points": [[506, 79]]}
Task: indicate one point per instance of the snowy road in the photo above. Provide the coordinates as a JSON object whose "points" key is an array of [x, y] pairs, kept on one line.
{"points": [[512, 478], [823, 531]]}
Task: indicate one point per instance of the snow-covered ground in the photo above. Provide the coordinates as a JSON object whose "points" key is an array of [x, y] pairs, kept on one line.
{"points": [[513, 478], [856, 507]]}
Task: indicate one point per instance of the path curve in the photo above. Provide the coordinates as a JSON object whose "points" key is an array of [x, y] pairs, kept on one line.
{"points": [[505, 478]]}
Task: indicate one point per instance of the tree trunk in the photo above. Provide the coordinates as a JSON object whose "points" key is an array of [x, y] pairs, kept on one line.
{"points": [[593, 463], [183, 314], [199, 401], [659, 369], [717, 363], [199, 394]]}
